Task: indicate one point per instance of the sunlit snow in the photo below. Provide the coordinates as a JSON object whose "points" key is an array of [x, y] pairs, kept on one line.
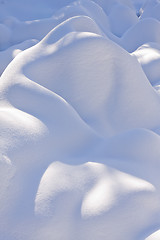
{"points": [[79, 120]]}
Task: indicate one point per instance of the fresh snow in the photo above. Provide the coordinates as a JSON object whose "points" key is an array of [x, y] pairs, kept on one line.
{"points": [[79, 120]]}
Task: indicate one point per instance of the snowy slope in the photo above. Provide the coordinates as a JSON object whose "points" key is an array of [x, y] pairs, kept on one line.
{"points": [[79, 120]]}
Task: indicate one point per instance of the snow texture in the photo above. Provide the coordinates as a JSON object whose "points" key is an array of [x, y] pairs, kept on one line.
{"points": [[79, 119]]}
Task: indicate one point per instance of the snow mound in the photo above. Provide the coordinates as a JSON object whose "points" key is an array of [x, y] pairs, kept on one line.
{"points": [[154, 236], [151, 9], [85, 8], [91, 192], [121, 19], [108, 5], [148, 56], [146, 30], [98, 84], [79, 120], [9, 54], [5, 37], [15, 31]]}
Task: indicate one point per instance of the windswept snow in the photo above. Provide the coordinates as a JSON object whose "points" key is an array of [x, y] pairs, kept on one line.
{"points": [[79, 120]]}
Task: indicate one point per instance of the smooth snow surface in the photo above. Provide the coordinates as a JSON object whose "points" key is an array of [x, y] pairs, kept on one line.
{"points": [[148, 56], [79, 120]]}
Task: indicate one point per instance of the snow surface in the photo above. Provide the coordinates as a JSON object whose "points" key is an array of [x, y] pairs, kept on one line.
{"points": [[79, 120]]}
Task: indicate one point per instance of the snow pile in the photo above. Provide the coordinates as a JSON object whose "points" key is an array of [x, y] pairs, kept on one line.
{"points": [[149, 57], [79, 120], [146, 30], [151, 9], [121, 19]]}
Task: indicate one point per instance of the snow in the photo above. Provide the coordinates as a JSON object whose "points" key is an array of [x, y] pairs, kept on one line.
{"points": [[10, 53], [149, 57], [146, 30], [5, 36], [154, 236], [151, 9], [79, 120], [121, 19]]}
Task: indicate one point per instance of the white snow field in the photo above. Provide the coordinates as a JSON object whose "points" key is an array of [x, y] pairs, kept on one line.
{"points": [[79, 120]]}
